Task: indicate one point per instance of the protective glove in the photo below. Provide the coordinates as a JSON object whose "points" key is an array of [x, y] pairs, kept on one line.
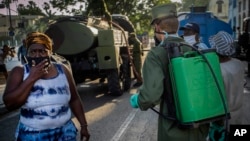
{"points": [[216, 132], [134, 100]]}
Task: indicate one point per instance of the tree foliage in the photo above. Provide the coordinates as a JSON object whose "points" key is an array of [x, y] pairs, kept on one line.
{"points": [[138, 11], [30, 9]]}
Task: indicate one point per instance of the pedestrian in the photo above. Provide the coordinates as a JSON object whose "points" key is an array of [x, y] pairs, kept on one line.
{"points": [[46, 94], [244, 42], [156, 78], [137, 58], [4, 52], [22, 52], [232, 71], [191, 34]]}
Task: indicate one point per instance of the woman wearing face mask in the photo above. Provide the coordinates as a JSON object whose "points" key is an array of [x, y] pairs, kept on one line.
{"points": [[46, 94], [191, 33]]}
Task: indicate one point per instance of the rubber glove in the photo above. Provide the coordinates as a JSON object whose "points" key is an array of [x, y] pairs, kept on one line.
{"points": [[134, 100], [216, 132]]}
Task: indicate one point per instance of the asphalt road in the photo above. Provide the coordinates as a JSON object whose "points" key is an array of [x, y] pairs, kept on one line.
{"points": [[110, 118]]}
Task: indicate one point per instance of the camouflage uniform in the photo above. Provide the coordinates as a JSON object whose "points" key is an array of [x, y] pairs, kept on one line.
{"points": [[137, 52]]}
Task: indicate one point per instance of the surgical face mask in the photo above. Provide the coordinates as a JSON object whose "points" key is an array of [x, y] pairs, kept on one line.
{"points": [[190, 39], [157, 41]]}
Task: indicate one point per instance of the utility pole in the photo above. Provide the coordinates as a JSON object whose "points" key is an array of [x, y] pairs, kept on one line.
{"points": [[11, 29]]}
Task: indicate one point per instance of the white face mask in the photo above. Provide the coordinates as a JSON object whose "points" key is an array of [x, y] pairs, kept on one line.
{"points": [[190, 39]]}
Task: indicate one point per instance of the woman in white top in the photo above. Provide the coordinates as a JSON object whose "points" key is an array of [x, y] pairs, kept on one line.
{"points": [[46, 94]]}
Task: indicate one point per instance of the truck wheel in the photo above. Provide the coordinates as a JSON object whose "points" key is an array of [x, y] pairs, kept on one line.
{"points": [[114, 83], [126, 74]]}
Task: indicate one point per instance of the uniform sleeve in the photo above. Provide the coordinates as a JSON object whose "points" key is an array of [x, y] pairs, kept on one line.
{"points": [[151, 91]]}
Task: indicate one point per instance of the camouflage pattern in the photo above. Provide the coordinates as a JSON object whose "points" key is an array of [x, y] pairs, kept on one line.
{"points": [[137, 52]]}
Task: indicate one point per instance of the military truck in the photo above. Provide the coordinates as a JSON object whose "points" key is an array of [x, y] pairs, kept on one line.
{"points": [[94, 50]]}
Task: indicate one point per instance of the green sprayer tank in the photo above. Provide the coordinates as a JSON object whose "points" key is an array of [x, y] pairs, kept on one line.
{"points": [[197, 95]]}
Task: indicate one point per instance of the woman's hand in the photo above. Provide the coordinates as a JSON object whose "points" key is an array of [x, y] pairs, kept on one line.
{"points": [[84, 133], [38, 71]]}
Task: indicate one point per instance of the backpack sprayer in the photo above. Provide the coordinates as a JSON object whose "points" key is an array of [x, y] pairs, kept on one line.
{"points": [[197, 86]]}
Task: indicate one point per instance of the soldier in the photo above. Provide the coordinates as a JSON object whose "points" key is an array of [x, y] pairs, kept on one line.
{"points": [[137, 52], [156, 79]]}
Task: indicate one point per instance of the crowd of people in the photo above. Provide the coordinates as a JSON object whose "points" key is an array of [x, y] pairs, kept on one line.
{"points": [[47, 96]]}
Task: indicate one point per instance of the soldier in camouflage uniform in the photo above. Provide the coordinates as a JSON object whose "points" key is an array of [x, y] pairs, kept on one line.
{"points": [[137, 53]]}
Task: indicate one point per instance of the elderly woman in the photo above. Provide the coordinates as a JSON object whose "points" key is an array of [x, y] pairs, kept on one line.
{"points": [[46, 93]]}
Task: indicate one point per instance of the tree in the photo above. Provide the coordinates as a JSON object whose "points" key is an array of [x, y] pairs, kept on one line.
{"points": [[139, 12], [30, 9]]}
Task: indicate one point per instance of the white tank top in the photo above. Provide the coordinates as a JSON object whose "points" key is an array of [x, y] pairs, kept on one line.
{"points": [[47, 106]]}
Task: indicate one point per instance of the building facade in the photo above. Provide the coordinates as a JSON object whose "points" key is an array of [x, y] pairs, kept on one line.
{"points": [[232, 12], [238, 11], [10, 26], [219, 8]]}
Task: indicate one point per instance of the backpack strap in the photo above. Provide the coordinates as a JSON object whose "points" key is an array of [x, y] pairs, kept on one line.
{"points": [[173, 49]]}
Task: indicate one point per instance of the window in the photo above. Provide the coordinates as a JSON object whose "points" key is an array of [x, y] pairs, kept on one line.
{"points": [[234, 3], [240, 22], [244, 5], [239, 8], [219, 2]]}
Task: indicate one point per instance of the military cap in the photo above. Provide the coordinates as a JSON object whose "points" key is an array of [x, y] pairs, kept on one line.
{"points": [[162, 11], [192, 26]]}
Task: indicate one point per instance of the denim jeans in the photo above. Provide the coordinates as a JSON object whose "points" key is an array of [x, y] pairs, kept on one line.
{"points": [[67, 132]]}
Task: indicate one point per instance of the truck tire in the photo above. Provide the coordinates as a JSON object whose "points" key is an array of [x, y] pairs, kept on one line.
{"points": [[125, 74], [114, 83]]}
